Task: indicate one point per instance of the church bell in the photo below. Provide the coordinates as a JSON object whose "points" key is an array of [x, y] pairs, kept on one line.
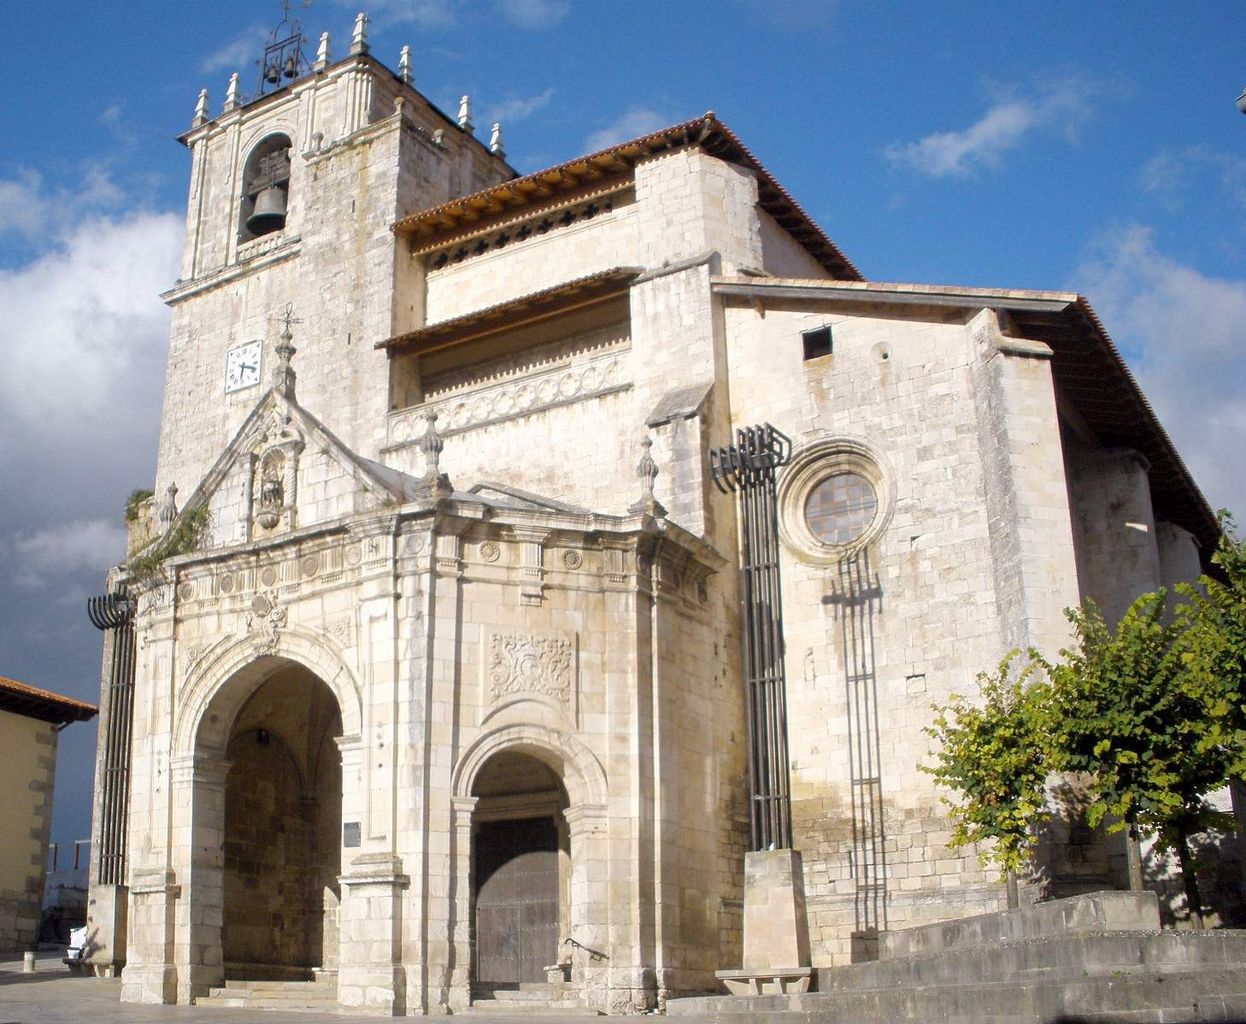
{"points": [[270, 211]]}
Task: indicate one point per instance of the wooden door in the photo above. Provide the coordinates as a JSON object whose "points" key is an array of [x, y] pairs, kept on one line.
{"points": [[516, 900]]}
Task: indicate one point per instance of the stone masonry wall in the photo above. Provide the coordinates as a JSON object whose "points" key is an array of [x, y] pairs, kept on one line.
{"points": [[904, 623], [25, 823]]}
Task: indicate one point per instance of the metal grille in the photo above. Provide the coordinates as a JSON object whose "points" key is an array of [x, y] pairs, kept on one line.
{"points": [[113, 613], [748, 469]]}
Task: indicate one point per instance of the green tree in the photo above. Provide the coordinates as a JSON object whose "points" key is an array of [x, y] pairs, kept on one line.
{"points": [[1128, 710], [1213, 619], [992, 753]]}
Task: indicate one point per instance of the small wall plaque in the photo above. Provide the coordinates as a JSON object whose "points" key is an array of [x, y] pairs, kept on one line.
{"points": [[350, 833]]}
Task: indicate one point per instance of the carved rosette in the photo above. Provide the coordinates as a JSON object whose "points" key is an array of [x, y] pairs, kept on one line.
{"points": [[530, 666]]}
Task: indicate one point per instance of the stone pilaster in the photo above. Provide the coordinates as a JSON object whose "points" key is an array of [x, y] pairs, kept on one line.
{"points": [[370, 975]]}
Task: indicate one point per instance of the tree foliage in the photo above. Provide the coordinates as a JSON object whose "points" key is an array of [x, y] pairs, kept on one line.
{"points": [[992, 752], [1153, 713]]}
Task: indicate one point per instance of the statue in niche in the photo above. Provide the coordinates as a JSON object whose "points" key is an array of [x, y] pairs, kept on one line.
{"points": [[272, 490]]}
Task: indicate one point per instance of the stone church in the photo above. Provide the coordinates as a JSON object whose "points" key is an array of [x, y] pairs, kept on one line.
{"points": [[529, 551]]}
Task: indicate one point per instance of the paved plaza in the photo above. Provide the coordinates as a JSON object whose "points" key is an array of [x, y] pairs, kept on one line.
{"points": [[53, 996]]}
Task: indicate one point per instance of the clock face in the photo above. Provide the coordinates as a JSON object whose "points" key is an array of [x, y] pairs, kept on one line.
{"points": [[242, 367]]}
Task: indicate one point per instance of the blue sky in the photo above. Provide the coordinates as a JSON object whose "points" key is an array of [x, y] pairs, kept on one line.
{"points": [[1089, 147]]}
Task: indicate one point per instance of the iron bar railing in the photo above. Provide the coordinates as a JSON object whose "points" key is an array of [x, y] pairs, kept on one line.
{"points": [[114, 613], [749, 469]]}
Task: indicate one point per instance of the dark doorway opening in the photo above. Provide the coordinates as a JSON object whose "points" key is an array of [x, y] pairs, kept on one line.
{"points": [[520, 871], [516, 900]]}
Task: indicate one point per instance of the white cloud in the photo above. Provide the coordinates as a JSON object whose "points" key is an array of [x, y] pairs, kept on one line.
{"points": [[78, 319], [1062, 106], [1183, 334], [239, 53], [424, 13], [1170, 174], [632, 123], [534, 14], [30, 209], [517, 108], [83, 340], [83, 544]]}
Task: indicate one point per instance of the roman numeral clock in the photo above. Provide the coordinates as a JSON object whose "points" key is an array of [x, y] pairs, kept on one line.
{"points": [[242, 367]]}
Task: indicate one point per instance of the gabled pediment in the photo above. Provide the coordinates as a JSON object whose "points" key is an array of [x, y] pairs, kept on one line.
{"points": [[514, 497], [283, 470]]}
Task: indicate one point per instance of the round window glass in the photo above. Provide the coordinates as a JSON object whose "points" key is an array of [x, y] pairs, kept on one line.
{"points": [[840, 508]]}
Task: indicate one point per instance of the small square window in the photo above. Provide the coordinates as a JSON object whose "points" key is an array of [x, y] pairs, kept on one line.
{"points": [[817, 342]]}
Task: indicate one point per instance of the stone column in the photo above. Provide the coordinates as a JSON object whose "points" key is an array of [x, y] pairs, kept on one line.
{"points": [[461, 811], [198, 783], [370, 976]]}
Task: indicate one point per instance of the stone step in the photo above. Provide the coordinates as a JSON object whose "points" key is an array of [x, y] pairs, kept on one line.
{"points": [[531, 995], [516, 1007], [237, 985], [259, 1003], [1196, 994], [1049, 959]]}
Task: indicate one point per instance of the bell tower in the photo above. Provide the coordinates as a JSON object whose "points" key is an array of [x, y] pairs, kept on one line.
{"points": [[293, 190]]}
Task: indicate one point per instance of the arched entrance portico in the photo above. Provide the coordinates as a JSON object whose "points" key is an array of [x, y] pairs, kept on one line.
{"points": [[282, 822], [530, 853], [258, 806]]}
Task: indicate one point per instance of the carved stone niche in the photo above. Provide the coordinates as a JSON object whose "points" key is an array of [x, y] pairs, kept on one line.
{"points": [[274, 481]]}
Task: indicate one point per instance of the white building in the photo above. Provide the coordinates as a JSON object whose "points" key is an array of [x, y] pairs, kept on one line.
{"points": [[450, 691]]}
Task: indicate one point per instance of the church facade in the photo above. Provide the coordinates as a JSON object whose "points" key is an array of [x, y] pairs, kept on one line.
{"points": [[440, 682]]}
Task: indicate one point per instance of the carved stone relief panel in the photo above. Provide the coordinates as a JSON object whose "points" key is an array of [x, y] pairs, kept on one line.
{"points": [[521, 665]]}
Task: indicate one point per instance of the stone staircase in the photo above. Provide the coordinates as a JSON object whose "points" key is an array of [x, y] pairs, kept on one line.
{"points": [[1094, 958], [318, 994], [544, 999]]}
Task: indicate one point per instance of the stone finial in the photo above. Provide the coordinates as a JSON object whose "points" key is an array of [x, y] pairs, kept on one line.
{"points": [[168, 507], [322, 52], [495, 140], [647, 471], [231, 94], [465, 114], [404, 65], [284, 376], [359, 41], [431, 444], [201, 109]]}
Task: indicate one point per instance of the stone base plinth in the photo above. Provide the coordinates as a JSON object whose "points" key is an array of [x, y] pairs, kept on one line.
{"points": [[107, 917], [776, 929], [770, 983]]}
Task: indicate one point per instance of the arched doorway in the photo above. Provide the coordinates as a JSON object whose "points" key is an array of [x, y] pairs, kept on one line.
{"points": [[521, 870], [282, 828]]}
